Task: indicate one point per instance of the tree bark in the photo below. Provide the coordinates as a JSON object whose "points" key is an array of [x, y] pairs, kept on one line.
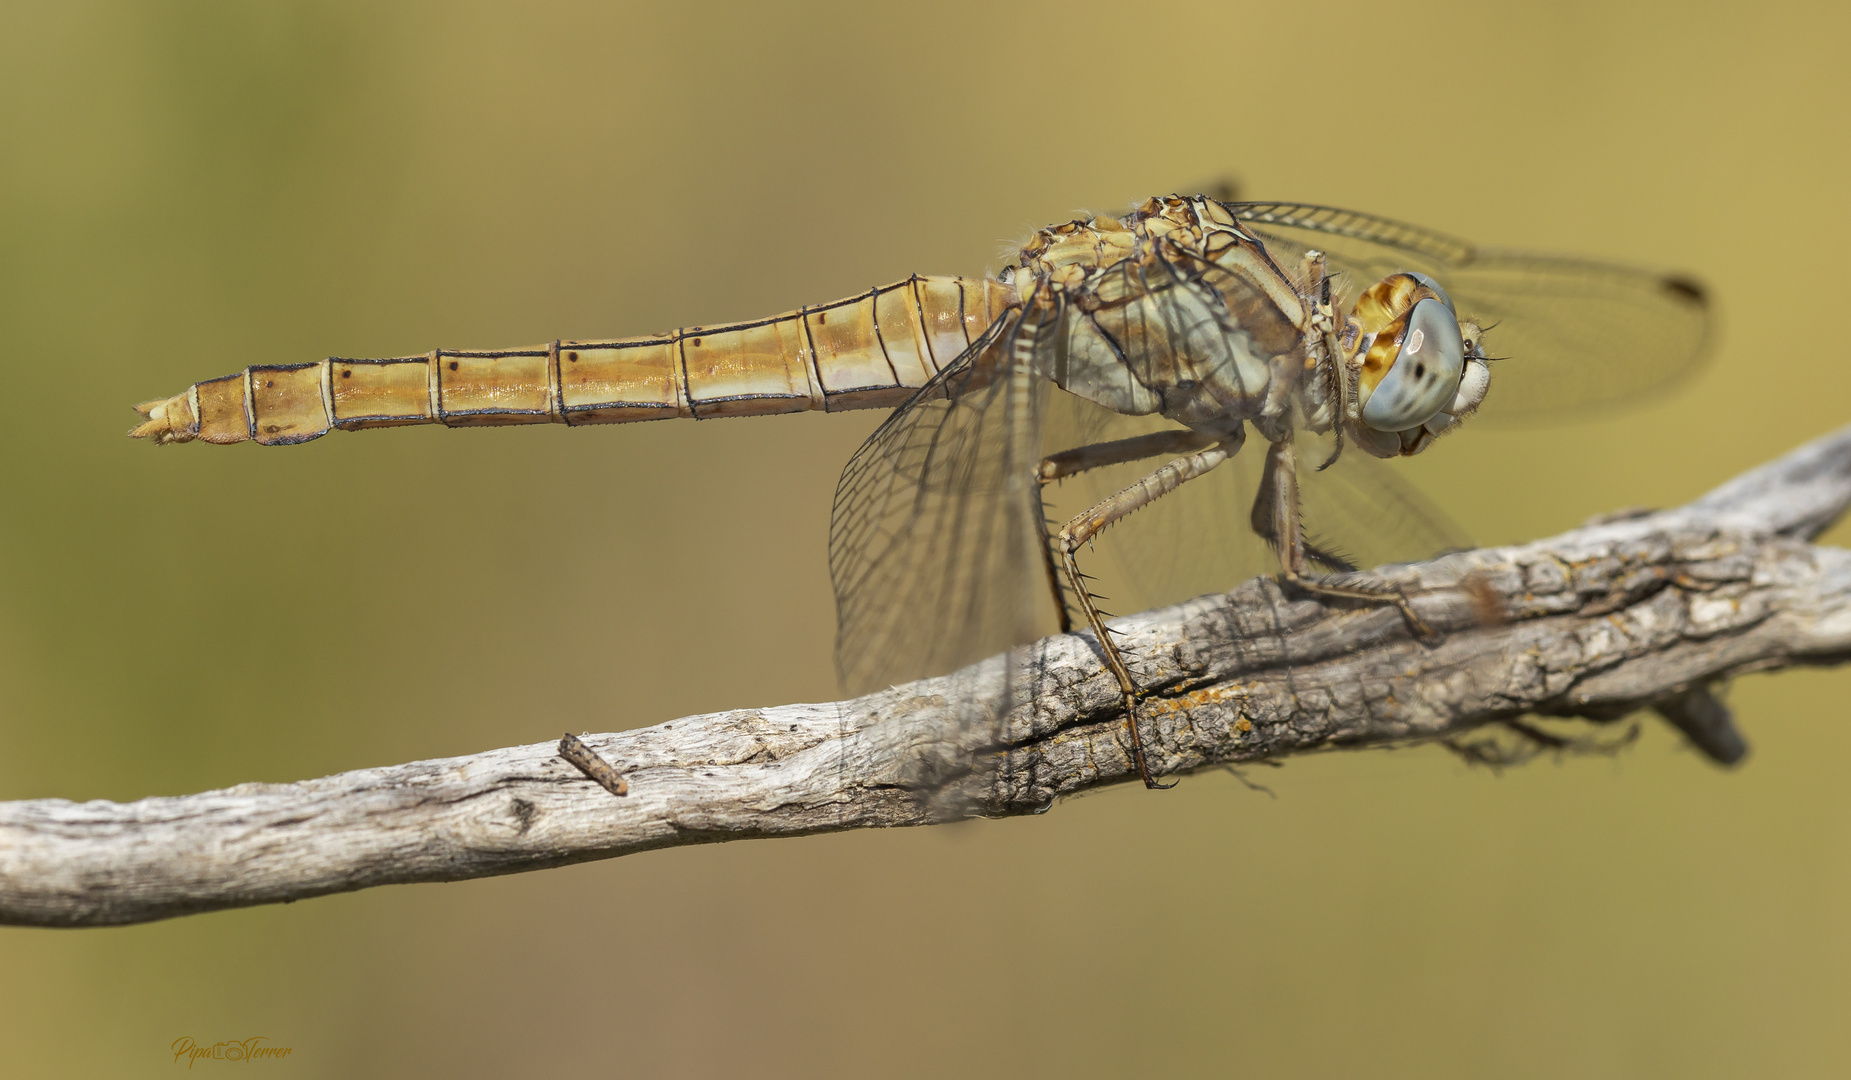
{"points": [[1648, 611]]}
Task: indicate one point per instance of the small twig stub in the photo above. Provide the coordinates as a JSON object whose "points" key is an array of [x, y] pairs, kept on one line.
{"points": [[587, 761]]}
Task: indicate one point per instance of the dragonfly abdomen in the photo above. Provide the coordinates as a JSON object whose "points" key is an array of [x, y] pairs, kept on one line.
{"points": [[868, 351]]}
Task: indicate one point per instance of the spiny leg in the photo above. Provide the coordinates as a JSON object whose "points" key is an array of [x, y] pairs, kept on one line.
{"points": [[1321, 343], [1088, 525], [1067, 463], [1048, 565], [1276, 519]]}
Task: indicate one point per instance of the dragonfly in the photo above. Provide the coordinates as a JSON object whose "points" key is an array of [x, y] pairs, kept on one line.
{"points": [[1145, 346]]}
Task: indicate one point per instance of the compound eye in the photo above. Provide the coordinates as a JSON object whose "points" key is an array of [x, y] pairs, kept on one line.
{"points": [[1425, 373], [1435, 286]]}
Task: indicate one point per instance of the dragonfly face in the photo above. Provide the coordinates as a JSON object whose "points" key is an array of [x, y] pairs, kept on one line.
{"points": [[1418, 368]]}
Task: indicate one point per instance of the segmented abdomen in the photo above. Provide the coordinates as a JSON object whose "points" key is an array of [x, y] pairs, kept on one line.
{"points": [[866, 352]]}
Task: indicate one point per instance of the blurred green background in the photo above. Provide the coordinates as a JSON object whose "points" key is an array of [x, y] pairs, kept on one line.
{"points": [[186, 189]]}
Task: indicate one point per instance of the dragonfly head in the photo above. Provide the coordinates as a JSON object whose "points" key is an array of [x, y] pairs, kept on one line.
{"points": [[1419, 370]]}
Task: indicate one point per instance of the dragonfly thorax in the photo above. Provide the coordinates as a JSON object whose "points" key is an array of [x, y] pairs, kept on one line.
{"points": [[1173, 309]]}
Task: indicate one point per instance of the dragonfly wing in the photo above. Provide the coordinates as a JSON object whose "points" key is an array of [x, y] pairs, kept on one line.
{"points": [[1579, 335], [1361, 511], [1364, 239], [933, 543], [1198, 539], [1193, 541]]}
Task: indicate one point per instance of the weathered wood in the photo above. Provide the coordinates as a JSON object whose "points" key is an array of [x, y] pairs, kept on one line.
{"points": [[1601, 622]]}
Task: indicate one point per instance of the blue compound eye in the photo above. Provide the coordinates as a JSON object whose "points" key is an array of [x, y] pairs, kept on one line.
{"points": [[1425, 374]]}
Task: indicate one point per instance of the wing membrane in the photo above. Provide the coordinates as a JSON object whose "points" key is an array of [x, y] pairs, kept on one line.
{"points": [[1579, 336], [932, 543], [1198, 539], [1363, 511], [1436, 248]]}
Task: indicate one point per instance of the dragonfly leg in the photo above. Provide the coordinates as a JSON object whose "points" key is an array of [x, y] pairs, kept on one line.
{"points": [[1067, 463], [1048, 565], [1083, 528], [1324, 349], [1276, 518]]}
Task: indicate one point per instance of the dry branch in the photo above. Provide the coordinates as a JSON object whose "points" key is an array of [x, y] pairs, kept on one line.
{"points": [[1601, 622]]}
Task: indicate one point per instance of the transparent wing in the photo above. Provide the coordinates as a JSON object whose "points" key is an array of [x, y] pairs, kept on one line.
{"points": [[1199, 539], [933, 542], [1578, 336], [1362, 512], [1390, 239]]}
